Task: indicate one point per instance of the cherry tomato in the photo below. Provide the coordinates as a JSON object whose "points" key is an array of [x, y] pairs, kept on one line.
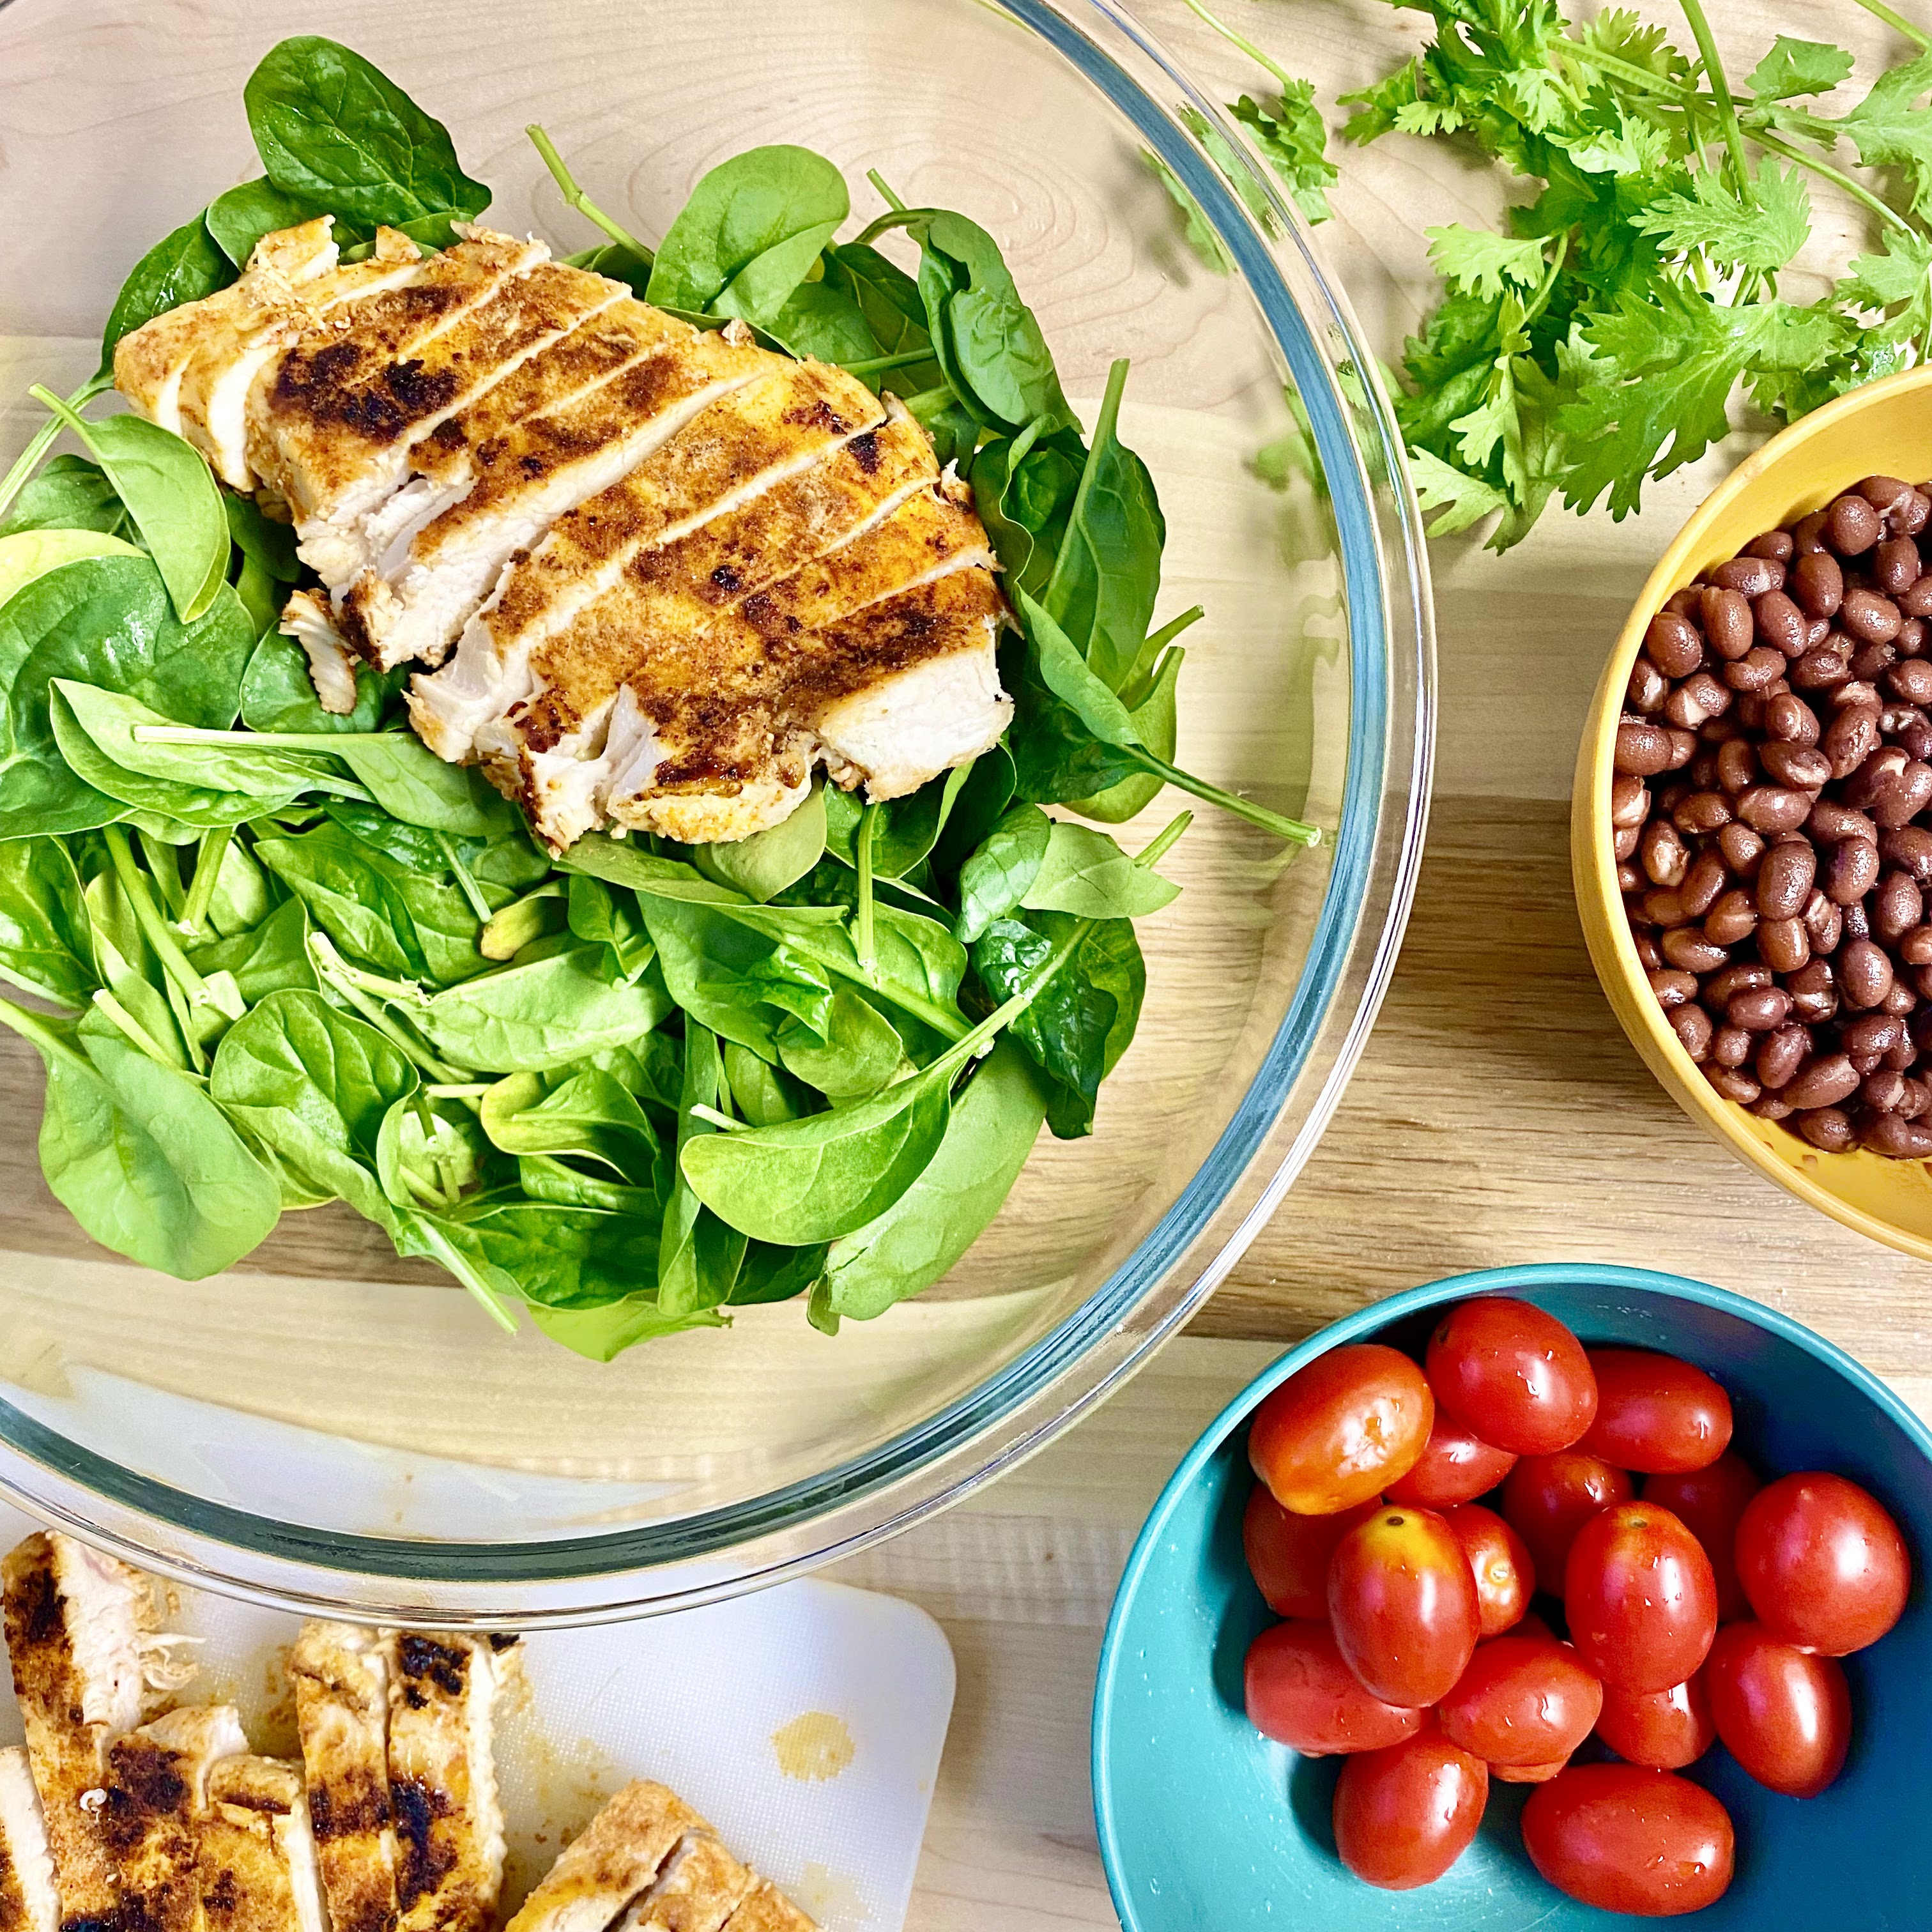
{"points": [[1456, 1467], [1300, 1693], [1524, 1701], [1626, 1839], [1337, 1433], [1821, 1563], [1288, 1555], [1783, 1714], [1640, 1597], [1708, 1503], [1548, 1498], [1665, 1730], [1656, 1414], [1527, 1773], [1402, 1601], [1514, 1375], [1505, 1578], [1404, 1815]]}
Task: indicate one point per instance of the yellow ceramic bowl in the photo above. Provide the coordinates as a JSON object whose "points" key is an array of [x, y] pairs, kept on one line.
{"points": [[1884, 429]]}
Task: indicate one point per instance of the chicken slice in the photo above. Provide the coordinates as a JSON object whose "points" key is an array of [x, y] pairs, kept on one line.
{"points": [[610, 1863], [696, 1891], [29, 1899], [258, 1870], [341, 1678], [523, 481], [155, 1798], [766, 1909], [442, 1780], [81, 1633]]}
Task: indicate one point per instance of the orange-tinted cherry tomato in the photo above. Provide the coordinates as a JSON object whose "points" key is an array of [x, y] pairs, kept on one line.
{"points": [[1404, 1815], [1626, 1839], [1514, 1375], [1340, 1431], [1456, 1466], [1527, 1773], [1505, 1577], [1523, 1702], [1708, 1503], [1665, 1730], [1402, 1601], [1655, 1414], [1548, 1498], [1300, 1693], [1821, 1563], [1288, 1555], [1784, 1714], [1640, 1597]]}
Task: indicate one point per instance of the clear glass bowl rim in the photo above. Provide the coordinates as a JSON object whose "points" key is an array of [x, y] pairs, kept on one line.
{"points": [[657, 1568]]}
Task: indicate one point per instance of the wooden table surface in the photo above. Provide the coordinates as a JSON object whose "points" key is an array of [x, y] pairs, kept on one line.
{"points": [[1498, 1115]]}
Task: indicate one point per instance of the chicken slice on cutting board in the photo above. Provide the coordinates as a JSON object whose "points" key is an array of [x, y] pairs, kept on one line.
{"points": [[154, 1801], [86, 1657], [766, 1909], [341, 1676], [700, 1888], [610, 1863], [258, 1871], [442, 1779], [29, 1899]]}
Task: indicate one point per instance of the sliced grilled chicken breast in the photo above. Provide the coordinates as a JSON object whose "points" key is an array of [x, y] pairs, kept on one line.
{"points": [[150, 1818], [258, 1871], [341, 1678], [442, 1780], [610, 1863], [697, 1891], [766, 1909], [29, 1899]]}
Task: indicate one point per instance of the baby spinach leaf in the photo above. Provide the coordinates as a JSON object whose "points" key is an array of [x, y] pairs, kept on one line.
{"points": [[260, 596], [609, 916], [271, 545], [994, 877], [750, 233], [171, 495], [271, 957], [278, 694], [1055, 758], [551, 1007], [904, 830], [589, 1114], [140, 1155], [1066, 674], [560, 1259], [984, 797], [313, 1083], [426, 1155], [501, 867], [181, 267], [995, 1121], [651, 1068], [859, 1052], [47, 946], [70, 494], [335, 133], [543, 1177], [763, 865], [602, 1334], [1084, 872], [239, 901], [28, 554], [739, 980], [699, 1255], [239, 219], [1156, 723], [1024, 488], [772, 1274], [762, 1093]]}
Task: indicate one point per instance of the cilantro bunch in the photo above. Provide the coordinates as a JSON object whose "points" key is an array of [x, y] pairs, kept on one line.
{"points": [[1601, 338]]}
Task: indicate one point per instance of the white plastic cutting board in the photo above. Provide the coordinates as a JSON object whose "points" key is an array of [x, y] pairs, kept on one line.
{"points": [[806, 1722]]}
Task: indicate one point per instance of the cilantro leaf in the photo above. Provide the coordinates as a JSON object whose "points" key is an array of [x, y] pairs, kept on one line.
{"points": [[1293, 138], [1897, 282], [1763, 231], [1209, 249], [1479, 261], [1799, 66], [1624, 36], [1888, 131], [1462, 499]]}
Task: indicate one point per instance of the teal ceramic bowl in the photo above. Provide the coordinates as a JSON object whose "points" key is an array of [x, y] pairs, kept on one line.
{"points": [[1207, 1826]]}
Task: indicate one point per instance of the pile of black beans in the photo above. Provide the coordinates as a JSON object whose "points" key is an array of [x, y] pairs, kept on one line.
{"points": [[1772, 810]]}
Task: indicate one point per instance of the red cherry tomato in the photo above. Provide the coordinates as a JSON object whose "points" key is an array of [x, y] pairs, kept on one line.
{"points": [[1404, 1815], [1514, 1375], [1548, 1498], [1505, 1578], [1527, 1773], [1655, 1413], [1300, 1693], [1402, 1601], [1338, 1432], [1783, 1714], [1821, 1563], [1708, 1503], [1456, 1467], [1523, 1702], [1640, 1597], [1624, 1839], [1665, 1730], [1288, 1555]]}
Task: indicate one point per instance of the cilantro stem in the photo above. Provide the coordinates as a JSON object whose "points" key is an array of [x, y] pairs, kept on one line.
{"points": [[1247, 46], [1839, 179], [1720, 90], [1898, 24], [574, 195], [1547, 287], [42, 441]]}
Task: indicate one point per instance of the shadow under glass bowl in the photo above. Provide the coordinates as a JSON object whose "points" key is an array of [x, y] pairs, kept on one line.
{"points": [[324, 1426]]}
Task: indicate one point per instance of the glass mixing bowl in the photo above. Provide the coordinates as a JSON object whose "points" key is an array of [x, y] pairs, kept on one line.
{"points": [[325, 1426]]}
